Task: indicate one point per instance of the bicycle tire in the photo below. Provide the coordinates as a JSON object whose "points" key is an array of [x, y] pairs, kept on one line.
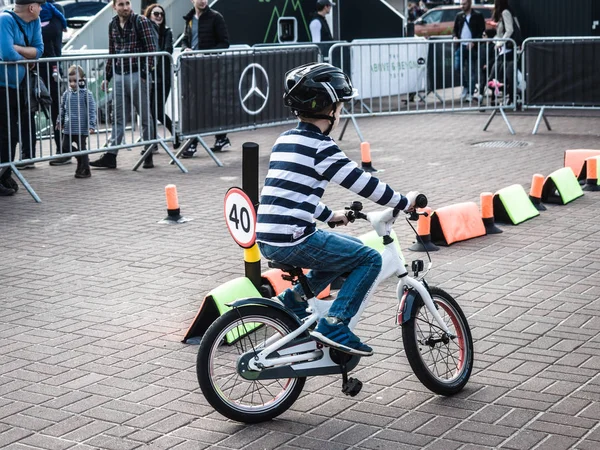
{"points": [[252, 406], [426, 350]]}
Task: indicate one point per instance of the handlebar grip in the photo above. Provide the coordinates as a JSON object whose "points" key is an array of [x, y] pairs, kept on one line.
{"points": [[334, 224], [421, 201]]}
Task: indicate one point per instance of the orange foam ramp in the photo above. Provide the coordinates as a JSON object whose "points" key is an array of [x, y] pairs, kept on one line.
{"points": [[456, 223], [275, 278], [575, 159]]}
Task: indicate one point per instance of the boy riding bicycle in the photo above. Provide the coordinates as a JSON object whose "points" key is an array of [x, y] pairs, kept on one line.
{"points": [[303, 161]]}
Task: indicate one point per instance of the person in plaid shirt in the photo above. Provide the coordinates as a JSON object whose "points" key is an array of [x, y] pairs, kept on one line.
{"points": [[129, 33]]}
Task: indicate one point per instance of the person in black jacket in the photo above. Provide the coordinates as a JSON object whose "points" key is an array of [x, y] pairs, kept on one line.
{"points": [[161, 84], [469, 24], [319, 29], [205, 29]]}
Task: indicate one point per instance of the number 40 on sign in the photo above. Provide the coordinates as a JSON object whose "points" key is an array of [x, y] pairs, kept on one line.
{"points": [[240, 217]]}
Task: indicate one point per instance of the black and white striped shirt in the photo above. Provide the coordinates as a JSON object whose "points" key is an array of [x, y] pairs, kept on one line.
{"points": [[303, 162]]}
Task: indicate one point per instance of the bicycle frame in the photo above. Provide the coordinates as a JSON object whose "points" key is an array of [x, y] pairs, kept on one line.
{"points": [[308, 357]]}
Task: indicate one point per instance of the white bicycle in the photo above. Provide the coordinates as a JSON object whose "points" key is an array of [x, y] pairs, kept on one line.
{"points": [[253, 361]]}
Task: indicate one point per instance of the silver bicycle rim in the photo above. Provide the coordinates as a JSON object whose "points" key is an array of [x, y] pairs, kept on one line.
{"points": [[252, 396], [445, 362]]}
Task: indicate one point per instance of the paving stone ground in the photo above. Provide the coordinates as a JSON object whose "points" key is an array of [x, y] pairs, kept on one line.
{"points": [[96, 297]]}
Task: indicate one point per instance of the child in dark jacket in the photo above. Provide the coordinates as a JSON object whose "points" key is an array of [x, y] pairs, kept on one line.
{"points": [[77, 119]]}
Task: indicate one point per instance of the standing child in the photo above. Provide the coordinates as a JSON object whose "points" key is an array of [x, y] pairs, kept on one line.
{"points": [[77, 119], [303, 161]]}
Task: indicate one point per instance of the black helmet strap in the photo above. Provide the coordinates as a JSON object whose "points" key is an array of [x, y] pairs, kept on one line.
{"points": [[330, 118]]}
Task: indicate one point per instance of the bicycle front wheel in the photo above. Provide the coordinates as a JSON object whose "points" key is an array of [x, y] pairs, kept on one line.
{"points": [[236, 333], [442, 362]]}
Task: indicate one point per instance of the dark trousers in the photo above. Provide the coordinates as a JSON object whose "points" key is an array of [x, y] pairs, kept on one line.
{"points": [[158, 97], [46, 75], [16, 125], [74, 143]]}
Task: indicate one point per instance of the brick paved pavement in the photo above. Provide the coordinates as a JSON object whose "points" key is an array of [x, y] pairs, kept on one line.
{"points": [[96, 296]]}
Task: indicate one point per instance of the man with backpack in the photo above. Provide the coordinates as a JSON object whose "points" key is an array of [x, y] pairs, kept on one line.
{"points": [[129, 33]]}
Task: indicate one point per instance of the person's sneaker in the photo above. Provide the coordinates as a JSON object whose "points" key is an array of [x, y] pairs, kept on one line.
{"points": [[10, 183], [464, 93], [290, 300], [61, 161], [189, 152], [334, 333], [221, 144], [106, 161], [26, 166], [6, 192]]}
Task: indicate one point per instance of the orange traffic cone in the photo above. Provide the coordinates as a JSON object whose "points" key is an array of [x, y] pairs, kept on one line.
{"points": [[173, 211], [365, 156], [423, 242], [535, 193], [591, 178], [487, 213]]}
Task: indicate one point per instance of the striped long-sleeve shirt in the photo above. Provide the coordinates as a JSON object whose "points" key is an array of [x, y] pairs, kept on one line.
{"points": [[303, 161], [77, 112]]}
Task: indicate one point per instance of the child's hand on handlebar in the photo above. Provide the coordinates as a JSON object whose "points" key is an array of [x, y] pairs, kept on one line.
{"points": [[412, 198], [339, 218]]}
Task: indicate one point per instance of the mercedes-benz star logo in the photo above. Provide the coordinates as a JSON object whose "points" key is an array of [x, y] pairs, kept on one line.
{"points": [[252, 75]]}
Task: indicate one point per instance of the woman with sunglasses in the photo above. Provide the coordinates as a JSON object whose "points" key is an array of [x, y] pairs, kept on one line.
{"points": [[162, 81]]}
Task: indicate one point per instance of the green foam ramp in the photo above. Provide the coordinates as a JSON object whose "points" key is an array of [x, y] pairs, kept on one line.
{"points": [[561, 187], [215, 304], [512, 205]]}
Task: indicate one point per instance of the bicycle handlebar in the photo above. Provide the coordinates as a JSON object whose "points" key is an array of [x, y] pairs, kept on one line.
{"points": [[354, 211]]}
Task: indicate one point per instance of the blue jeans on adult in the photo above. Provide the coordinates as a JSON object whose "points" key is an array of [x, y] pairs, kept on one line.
{"points": [[465, 63], [131, 90], [330, 255]]}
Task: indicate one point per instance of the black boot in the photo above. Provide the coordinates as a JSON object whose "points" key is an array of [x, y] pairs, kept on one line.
{"points": [[6, 192], [106, 161], [9, 183], [148, 164]]}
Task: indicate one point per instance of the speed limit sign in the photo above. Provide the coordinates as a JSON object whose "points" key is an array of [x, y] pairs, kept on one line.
{"points": [[240, 217]]}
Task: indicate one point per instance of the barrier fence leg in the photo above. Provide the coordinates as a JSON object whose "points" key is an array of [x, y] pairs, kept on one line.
{"points": [[344, 129], [487, 124], [539, 120], [210, 152], [547, 123], [25, 184], [510, 128], [174, 159]]}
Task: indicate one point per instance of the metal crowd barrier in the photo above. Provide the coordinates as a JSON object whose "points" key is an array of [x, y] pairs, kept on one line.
{"points": [[40, 138], [416, 75], [235, 89], [561, 73]]}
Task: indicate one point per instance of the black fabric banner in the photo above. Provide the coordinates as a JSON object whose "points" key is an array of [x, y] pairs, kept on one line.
{"points": [[236, 89], [563, 73]]}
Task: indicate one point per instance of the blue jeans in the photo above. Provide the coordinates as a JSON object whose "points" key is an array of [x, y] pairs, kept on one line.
{"points": [[330, 255], [468, 58], [131, 89]]}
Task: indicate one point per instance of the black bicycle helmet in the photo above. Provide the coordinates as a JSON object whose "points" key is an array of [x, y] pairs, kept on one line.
{"points": [[311, 88]]}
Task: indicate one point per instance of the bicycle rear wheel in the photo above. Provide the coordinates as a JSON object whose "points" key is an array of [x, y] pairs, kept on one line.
{"points": [[238, 332], [441, 362]]}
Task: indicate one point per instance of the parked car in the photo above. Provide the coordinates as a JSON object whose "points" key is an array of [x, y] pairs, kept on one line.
{"points": [[440, 21], [78, 13]]}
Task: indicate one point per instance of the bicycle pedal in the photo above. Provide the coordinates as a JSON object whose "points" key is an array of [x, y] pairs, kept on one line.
{"points": [[352, 387]]}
